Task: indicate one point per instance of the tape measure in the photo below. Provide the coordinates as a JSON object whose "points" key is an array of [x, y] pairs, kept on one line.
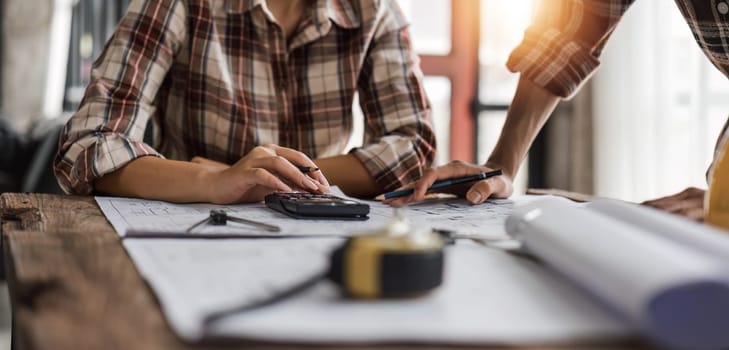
{"points": [[395, 262]]}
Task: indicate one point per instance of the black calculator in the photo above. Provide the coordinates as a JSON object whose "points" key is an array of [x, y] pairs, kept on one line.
{"points": [[302, 205]]}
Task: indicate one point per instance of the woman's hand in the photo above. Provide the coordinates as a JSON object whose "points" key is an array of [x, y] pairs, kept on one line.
{"points": [[265, 169], [476, 193]]}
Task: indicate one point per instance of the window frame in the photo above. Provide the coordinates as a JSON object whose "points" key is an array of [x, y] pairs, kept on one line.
{"points": [[462, 67]]}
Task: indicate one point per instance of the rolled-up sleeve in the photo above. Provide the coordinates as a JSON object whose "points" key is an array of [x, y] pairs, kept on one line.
{"points": [[561, 49], [107, 131], [399, 139]]}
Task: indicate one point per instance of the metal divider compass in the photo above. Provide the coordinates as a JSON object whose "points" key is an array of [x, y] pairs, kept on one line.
{"points": [[219, 217]]}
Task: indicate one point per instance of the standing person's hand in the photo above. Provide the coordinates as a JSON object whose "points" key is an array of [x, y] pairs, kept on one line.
{"points": [[476, 193], [688, 203], [264, 170]]}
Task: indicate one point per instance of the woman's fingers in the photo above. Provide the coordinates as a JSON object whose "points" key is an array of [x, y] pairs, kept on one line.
{"points": [[283, 162], [287, 171], [236, 185], [263, 170], [300, 159], [263, 177]]}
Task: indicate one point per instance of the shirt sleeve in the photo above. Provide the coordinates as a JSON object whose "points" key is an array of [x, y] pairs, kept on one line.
{"points": [[107, 131], [399, 139], [560, 50]]}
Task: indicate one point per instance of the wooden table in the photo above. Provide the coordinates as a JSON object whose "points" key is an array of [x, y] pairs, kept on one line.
{"points": [[72, 285]]}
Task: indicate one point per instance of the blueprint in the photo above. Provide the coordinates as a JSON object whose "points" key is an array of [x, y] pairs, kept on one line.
{"points": [[132, 217], [488, 297], [274, 290], [196, 278]]}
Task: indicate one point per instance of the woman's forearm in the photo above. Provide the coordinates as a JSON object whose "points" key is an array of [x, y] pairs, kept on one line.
{"points": [[265, 169], [347, 172], [157, 178]]}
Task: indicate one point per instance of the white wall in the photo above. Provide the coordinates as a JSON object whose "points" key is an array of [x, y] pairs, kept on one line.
{"points": [[36, 36], [26, 29]]}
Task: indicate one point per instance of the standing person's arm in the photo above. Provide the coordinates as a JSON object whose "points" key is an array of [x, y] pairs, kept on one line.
{"points": [[529, 110], [559, 52], [399, 141]]}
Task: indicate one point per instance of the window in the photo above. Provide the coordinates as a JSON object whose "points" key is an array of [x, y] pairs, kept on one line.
{"points": [[430, 26], [93, 22], [464, 46], [659, 106], [502, 28]]}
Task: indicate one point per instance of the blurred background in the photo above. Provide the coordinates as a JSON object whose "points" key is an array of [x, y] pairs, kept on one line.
{"points": [[644, 126]]}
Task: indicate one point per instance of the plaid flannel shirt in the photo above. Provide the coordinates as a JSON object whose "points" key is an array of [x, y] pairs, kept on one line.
{"points": [[561, 48], [219, 77]]}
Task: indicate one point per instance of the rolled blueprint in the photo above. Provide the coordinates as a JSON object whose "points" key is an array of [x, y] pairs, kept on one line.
{"points": [[710, 240], [670, 290]]}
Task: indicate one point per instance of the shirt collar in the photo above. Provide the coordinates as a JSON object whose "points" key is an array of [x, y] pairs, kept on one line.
{"points": [[241, 6], [342, 12]]}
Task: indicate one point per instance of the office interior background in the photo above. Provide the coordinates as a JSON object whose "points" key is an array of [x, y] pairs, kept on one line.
{"points": [[642, 127]]}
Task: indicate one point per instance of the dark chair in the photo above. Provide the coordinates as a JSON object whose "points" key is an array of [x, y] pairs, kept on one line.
{"points": [[26, 162], [14, 157], [39, 176]]}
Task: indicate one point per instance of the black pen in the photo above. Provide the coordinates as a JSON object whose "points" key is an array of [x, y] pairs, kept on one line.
{"points": [[445, 183], [306, 169]]}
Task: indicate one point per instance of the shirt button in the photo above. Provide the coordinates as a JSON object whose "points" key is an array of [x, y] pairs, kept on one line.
{"points": [[723, 8]]}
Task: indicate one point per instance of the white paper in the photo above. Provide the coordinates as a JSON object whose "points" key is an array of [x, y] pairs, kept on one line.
{"points": [[150, 218], [488, 297], [671, 291], [193, 279]]}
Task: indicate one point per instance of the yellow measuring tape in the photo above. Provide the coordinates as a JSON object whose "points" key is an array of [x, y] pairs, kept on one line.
{"points": [[395, 262]]}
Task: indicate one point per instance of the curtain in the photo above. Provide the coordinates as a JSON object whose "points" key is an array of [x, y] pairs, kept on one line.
{"points": [[657, 106]]}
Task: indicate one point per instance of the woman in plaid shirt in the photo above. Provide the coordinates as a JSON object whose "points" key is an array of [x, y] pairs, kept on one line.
{"points": [[243, 91], [560, 50]]}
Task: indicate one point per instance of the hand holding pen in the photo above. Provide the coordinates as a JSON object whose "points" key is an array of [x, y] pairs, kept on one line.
{"points": [[263, 170], [477, 183]]}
